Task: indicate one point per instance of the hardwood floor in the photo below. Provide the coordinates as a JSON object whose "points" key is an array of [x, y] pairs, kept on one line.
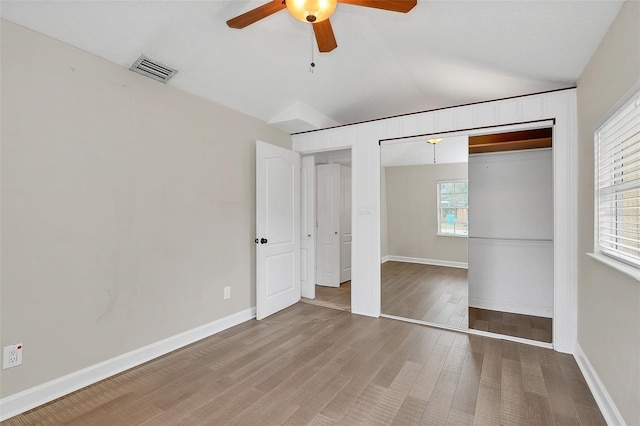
{"points": [[332, 297], [312, 365], [439, 295], [526, 326], [435, 294]]}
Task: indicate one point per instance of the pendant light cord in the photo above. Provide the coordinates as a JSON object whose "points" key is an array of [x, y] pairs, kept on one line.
{"points": [[312, 65]]}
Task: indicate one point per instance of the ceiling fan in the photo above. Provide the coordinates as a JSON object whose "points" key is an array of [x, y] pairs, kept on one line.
{"points": [[317, 13]]}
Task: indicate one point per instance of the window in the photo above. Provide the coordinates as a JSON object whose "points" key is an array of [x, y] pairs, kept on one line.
{"points": [[617, 144], [453, 207]]}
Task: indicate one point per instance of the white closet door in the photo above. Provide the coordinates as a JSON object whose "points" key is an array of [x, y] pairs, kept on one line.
{"points": [[328, 217]]}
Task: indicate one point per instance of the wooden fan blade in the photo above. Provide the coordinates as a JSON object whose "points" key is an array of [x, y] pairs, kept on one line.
{"points": [[403, 6], [256, 14], [324, 36]]}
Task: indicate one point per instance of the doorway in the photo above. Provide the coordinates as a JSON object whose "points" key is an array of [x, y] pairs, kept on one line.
{"points": [[332, 237], [511, 264]]}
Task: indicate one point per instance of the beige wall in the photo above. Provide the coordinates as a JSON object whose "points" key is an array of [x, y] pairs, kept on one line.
{"points": [[609, 302], [127, 206], [412, 223]]}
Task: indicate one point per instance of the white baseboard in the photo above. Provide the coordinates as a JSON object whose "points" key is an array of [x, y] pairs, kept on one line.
{"points": [[384, 259], [607, 407], [15, 404], [514, 308], [435, 262]]}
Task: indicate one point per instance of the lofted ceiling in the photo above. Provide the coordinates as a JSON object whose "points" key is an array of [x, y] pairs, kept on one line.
{"points": [[442, 53]]}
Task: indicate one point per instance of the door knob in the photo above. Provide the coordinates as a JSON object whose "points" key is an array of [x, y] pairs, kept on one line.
{"points": [[336, 233], [263, 241]]}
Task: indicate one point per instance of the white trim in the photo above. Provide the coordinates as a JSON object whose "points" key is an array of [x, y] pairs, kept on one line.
{"points": [[472, 331], [621, 261], [617, 265], [539, 124], [453, 235], [565, 200], [20, 402], [605, 403], [435, 262], [617, 105], [514, 308], [384, 259]]}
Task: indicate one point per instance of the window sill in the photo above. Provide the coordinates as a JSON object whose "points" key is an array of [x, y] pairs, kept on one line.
{"points": [[617, 265], [452, 235]]}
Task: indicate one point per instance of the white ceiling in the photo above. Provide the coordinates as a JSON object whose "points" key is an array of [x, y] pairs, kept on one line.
{"points": [[440, 54]]}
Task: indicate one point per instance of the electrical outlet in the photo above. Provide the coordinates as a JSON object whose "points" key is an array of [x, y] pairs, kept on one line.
{"points": [[12, 356], [227, 292]]}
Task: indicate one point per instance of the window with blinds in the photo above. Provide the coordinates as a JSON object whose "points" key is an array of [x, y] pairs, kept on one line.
{"points": [[618, 184]]}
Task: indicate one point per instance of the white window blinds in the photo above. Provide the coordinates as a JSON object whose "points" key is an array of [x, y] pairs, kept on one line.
{"points": [[618, 184]]}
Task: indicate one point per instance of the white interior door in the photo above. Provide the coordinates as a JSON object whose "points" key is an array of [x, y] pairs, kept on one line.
{"points": [[308, 227], [328, 240], [345, 223], [277, 229]]}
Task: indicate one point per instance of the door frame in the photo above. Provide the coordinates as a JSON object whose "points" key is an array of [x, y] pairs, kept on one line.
{"points": [[308, 226], [315, 153]]}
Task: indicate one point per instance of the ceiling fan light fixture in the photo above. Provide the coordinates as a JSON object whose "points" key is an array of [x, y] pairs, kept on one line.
{"points": [[433, 142], [311, 11]]}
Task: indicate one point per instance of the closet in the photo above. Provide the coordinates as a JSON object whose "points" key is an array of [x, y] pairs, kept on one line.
{"points": [[511, 256], [555, 109]]}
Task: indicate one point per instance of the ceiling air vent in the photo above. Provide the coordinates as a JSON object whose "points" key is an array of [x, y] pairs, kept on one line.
{"points": [[152, 69]]}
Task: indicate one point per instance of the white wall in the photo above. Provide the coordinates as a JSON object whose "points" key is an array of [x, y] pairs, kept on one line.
{"points": [[412, 214], [127, 206], [364, 139], [609, 301], [511, 232], [384, 237], [511, 195]]}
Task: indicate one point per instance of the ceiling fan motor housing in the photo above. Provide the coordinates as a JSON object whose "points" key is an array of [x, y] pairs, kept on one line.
{"points": [[311, 10]]}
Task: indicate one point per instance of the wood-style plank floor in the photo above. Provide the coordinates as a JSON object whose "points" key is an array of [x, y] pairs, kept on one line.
{"points": [[435, 294], [439, 295], [526, 326], [318, 366], [332, 297]]}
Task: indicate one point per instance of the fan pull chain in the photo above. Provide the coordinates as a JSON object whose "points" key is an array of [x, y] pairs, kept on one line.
{"points": [[312, 65]]}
